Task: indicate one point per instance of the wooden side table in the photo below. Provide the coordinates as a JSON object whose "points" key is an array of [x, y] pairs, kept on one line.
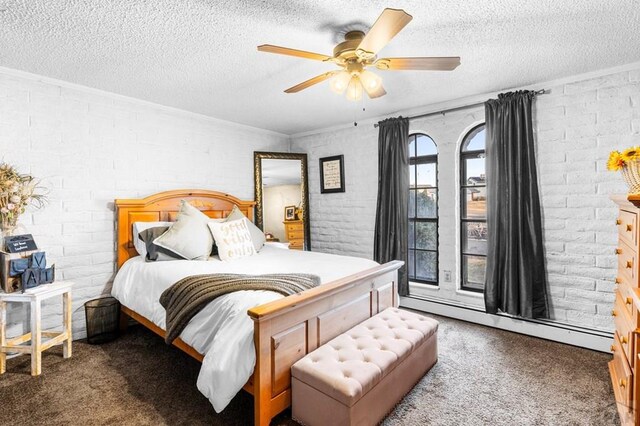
{"points": [[35, 297]]}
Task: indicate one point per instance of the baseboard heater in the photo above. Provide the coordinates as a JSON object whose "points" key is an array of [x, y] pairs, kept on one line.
{"points": [[545, 329]]}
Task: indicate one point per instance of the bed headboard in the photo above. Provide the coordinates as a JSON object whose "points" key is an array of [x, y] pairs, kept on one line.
{"points": [[164, 206]]}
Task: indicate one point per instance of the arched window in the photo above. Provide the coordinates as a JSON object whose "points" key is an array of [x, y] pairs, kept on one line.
{"points": [[473, 211], [423, 209]]}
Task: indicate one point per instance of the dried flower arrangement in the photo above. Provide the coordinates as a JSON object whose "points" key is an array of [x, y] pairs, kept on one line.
{"points": [[17, 192]]}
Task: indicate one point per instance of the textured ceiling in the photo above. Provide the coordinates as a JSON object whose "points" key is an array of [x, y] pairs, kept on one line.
{"points": [[200, 55]]}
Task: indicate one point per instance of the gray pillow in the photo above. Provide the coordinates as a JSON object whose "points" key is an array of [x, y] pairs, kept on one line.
{"points": [[189, 236], [257, 236], [156, 253]]}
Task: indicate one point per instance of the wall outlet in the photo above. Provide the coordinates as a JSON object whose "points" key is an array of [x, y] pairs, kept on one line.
{"points": [[447, 276]]}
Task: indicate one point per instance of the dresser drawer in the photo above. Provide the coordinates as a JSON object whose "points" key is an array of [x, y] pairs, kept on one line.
{"points": [[621, 374], [624, 304], [294, 226], [296, 245], [628, 227], [624, 327], [297, 235], [627, 262]]}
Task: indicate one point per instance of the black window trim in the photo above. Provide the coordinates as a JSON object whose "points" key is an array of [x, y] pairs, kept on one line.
{"points": [[416, 160], [464, 155]]}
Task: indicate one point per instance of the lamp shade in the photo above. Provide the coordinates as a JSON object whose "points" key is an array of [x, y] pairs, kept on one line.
{"points": [[370, 81], [340, 82], [372, 84]]}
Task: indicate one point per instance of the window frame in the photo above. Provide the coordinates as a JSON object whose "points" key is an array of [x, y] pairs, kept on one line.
{"points": [[415, 160], [465, 155]]}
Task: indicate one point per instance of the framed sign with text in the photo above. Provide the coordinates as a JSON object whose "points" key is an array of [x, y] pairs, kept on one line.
{"points": [[19, 243], [332, 174]]}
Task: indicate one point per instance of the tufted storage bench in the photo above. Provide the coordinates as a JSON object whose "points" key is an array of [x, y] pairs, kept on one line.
{"points": [[358, 377]]}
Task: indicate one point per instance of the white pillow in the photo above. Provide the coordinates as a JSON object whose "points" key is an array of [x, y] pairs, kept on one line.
{"points": [[233, 238], [188, 237], [138, 227], [256, 234]]}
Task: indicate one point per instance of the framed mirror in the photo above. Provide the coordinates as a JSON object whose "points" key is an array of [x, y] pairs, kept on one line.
{"points": [[282, 198]]}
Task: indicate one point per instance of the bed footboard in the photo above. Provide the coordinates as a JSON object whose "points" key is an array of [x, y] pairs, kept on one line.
{"points": [[287, 329]]}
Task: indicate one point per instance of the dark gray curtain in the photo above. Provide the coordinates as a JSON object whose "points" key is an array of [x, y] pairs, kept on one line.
{"points": [[391, 239], [516, 276]]}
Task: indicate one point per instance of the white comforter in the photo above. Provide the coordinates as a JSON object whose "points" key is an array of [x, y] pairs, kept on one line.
{"points": [[223, 331]]}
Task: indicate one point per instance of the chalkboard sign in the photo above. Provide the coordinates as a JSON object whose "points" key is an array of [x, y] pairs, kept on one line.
{"points": [[20, 243]]}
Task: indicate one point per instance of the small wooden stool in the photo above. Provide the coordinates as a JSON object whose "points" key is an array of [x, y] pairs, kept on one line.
{"points": [[35, 297]]}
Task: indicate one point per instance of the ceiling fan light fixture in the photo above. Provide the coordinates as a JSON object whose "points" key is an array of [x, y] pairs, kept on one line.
{"points": [[359, 51], [340, 82], [354, 90], [370, 80]]}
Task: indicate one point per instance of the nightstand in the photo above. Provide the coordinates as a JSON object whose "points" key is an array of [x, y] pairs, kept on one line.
{"points": [[35, 297]]}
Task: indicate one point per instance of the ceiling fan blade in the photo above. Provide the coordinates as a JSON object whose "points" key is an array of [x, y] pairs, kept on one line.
{"points": [[293, 52], [388, 24], [315, 80], [375, 93], [426, 63]]}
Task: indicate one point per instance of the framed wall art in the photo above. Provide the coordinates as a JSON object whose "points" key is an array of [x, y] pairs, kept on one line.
{"points": [[290, 213], [332, 174]]}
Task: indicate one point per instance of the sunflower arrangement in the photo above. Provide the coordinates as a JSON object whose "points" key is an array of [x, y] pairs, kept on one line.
{"points": [[628, 162], [618, 160], [17, 192]]}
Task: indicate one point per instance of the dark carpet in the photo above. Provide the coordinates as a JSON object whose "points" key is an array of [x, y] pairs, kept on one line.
{"points": [[484, 376]]}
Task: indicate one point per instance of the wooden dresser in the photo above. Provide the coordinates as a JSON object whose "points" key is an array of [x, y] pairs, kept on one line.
{"points": [[294, 232], [626, 344]]}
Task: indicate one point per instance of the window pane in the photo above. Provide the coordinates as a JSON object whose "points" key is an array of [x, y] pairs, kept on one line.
{"points": [[426, 262], [474, 171], [476, 140], [473, 271], [412, 203], [412, 235], [427, 203], [412, 260], [475, 203], [426, 145], [426, 235], [474, 238], [427, 175], [412, 176], [412, 146]]}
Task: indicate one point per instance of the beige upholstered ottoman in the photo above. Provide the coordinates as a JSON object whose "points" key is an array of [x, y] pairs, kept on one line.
{"points": [[358, 377]]}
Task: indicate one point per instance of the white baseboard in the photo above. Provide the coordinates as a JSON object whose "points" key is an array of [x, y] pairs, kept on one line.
{"points": [[549, 330]]}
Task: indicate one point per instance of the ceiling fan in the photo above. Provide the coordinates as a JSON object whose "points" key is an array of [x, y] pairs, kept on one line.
{"points": [[359, 51]]}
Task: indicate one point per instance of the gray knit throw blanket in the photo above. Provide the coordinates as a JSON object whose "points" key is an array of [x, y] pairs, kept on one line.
{"points": [[183, 300]]}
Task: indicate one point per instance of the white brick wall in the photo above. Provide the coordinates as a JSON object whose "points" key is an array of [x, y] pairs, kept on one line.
{"points": [[91, 147], [577, 124]]}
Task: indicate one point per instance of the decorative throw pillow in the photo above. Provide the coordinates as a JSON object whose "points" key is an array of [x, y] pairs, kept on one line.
{"points": [[214, 249], [154, 252], [138, 227], [233, 238], [188, 237], [257, 236]]}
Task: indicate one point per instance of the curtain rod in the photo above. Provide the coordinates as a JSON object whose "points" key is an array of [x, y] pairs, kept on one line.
{"points": [[537, 92]]}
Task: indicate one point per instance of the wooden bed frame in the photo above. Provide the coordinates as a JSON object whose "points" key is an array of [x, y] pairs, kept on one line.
{"points": [[284, 330]]}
